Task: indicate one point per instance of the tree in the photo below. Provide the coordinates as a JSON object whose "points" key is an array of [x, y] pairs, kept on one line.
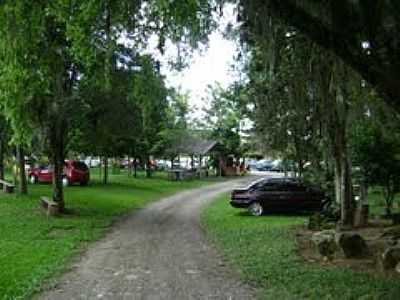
{"points": [[361, 33], [176, 127], [303, 103], [223, 119], [109, 123], [46, 49], [376, 151], [287, 115], [336, 83], [100, 26], [39, 91], [151, 94]]}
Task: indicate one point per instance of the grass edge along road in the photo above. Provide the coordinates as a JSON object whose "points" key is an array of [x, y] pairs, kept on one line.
{"points": [[263, 251], [35, 249]]}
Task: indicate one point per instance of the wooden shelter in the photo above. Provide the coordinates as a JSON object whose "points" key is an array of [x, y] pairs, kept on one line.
{"points": [[194, 147]]}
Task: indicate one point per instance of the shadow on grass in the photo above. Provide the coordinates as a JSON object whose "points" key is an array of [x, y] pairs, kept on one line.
{"points": [[274, 214], [114, 185]]}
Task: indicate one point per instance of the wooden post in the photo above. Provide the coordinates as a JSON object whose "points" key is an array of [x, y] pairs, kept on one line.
{"points": [[105, 178]]}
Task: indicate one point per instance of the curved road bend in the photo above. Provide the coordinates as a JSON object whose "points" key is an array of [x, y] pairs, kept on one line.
{"points": [[158, 252]]}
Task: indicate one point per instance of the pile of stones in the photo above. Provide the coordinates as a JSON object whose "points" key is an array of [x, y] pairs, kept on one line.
{"points": [[331, 243]]}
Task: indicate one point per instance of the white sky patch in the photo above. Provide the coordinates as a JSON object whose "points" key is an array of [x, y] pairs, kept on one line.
{"points": [[206, 67]]}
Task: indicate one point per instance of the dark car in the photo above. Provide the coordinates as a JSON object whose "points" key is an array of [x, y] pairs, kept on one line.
{"points": [[279, 195], [74, 172]]}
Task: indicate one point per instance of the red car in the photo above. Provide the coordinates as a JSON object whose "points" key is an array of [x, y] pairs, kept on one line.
{"points": [[74, 172]]}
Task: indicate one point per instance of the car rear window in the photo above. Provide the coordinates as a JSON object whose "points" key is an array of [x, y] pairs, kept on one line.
{"points": [[80, 165], [258, 184]]}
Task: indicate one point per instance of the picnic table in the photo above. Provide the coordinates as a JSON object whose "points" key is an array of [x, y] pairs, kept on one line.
{"points": [[7, 186], [181, 174]]}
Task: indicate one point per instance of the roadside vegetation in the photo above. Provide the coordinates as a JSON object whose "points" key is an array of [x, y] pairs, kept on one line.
{"points": [[263, 250], [34, 248], [318, 85]]}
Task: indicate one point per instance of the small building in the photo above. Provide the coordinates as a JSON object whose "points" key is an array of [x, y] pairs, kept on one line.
{"points": [[201, 152]]}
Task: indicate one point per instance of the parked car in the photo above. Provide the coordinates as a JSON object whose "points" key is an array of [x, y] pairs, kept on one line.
{"points": [[279, 195], [264, 165], [251, 164], [74, 172]]}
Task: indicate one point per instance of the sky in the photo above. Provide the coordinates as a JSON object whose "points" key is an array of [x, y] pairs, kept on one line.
{"points": [[205, 67]]}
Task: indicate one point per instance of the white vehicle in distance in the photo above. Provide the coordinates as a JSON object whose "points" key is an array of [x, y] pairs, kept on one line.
{"points": [[92, 161]]}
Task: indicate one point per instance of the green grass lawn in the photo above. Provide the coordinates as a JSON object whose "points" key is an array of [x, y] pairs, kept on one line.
{"points": [[34, 248], [263, 251]]}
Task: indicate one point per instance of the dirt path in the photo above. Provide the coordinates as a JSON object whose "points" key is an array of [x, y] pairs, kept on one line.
{"points": [[159, 252]]}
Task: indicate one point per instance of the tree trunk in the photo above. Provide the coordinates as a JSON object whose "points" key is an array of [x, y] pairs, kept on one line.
{"points": [[200, 166], [347, 194], [338, 198], [343, 184], [148, 167], [15, 166], [22, 183], [300, 167], [105, 163], [135, 167], [334, 77], [100, 169], [388, 211], [109, 50], [129, 167], [58, 193], [57, 160], [2, 159]]}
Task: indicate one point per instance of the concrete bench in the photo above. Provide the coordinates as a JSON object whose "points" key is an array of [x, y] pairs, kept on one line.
{"points": [[52, 208], [7, 186]]}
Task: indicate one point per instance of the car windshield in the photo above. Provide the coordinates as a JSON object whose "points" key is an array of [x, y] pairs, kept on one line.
{"points": [[79, 165], [46, 167]]}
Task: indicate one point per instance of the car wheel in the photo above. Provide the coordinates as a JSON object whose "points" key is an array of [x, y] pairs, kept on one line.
{"points": [[33, 179], [65, 181], [256, 209]]}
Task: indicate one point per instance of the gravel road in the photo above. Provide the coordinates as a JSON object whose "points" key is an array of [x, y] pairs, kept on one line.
{"points": [[159, 252]]}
